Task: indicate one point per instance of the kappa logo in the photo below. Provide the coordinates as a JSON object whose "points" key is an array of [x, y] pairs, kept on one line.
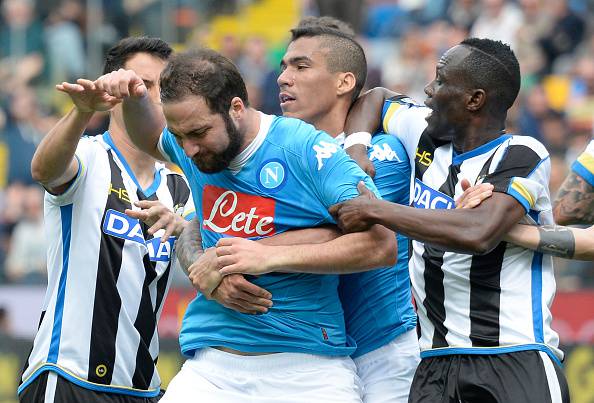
{"points": [[324, 150], [121, 226], [429, 198], [272, 175], [384, 153], [237, 214]]}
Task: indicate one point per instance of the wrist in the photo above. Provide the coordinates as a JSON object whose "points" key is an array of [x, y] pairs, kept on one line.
{"points": [[363, 138]]}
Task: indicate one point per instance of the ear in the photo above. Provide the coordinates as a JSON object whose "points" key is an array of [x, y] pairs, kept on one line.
{"points": [[237, 108], [346, 83], [476, 100]]}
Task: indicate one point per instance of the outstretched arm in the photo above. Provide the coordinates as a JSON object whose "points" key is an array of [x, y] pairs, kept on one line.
{"points": [[556, 240], [54, 164], [143, 117], [575, 201], [475, 231]]}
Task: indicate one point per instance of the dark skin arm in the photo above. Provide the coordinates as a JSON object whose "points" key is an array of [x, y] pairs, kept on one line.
{"points": [[575, 202], [365, 116], [474, 231]]}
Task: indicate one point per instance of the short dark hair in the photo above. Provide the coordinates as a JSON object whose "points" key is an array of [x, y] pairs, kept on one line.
{"points": [[492, 65], [122, 51], [344, 53], [205, 73]]}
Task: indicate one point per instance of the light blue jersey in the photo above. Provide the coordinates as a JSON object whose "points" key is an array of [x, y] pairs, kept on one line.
{"points": [[287, 178], [378, 303]]}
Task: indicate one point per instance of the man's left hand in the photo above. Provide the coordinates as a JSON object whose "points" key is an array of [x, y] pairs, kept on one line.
{"points": [[352, 215]]}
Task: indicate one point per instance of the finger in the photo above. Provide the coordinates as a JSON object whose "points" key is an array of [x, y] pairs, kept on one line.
{"points": [[465, 183], [72, 87], [362, 188], [223, 251], [255, 301], [225, 241], [139, 214], [239, 308], [226, 260], [370, 170], [252, 288], [147, 203], [161, 223], [334, 209], [229, 269], [87, 84]]}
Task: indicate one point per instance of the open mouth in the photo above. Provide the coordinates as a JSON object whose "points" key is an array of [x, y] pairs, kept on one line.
{"points": [[285, 98]]}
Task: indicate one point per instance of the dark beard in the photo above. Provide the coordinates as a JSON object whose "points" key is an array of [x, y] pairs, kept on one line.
{"points": [[214, 163]]}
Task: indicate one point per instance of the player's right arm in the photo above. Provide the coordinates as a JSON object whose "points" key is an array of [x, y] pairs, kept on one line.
{"points": [[143, 117], [54, 164], [363, 117]]}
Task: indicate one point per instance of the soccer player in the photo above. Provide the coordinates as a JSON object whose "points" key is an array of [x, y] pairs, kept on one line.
{"points": [[483, 305], [256, 175], [108, 272]]}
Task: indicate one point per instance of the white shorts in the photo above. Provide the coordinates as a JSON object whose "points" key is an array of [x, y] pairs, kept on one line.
{"points": [[214, 376], [387, 372]]}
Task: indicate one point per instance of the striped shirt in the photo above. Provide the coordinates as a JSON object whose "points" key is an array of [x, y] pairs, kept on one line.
{"points": [[584, 165], [470, 304], [107, 278]]}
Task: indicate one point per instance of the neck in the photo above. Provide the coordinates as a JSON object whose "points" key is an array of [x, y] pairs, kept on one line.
{"points": [[250, 128], [139, 162], [333, 121], [475, 136]]}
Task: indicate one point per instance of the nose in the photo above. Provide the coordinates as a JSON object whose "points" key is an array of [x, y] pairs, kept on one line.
{"points": [[429, 89], [191, 148], [284, 78]]}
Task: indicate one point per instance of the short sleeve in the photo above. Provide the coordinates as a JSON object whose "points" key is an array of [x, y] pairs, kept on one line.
{"points": [[523, 173], [85, 153], [584, 165], [333, 174], [404, 118]]}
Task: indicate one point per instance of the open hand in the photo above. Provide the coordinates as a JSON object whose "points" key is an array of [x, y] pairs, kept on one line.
{"points": [[87, 97], [158, 216], [122, 83]]}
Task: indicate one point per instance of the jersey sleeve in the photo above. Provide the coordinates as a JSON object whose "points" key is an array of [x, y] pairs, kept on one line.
{"points": [[85, 153], [523, 172], [404, 118], [392, 168], [333, 174], [584, 165]]}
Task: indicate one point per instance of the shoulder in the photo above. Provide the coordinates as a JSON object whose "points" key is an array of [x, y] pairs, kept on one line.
{"points": [[296, 135], [528, 143]]}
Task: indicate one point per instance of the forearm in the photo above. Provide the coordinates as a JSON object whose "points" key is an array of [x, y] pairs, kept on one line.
{"points": [[348, 253], [366, 112], [463, 231], [54, 155], [556, 240], [144, 122], [189, 245], [303, 236]]}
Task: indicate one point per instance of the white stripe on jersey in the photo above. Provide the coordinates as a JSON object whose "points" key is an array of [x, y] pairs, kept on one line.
{"points": [[90, 197]]}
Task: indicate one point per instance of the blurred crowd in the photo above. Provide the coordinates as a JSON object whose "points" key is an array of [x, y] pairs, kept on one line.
{"points": [[43, 43]]}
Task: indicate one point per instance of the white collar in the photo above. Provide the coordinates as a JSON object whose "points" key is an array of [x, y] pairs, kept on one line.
{"points": [[340, 139], [243, 157]]}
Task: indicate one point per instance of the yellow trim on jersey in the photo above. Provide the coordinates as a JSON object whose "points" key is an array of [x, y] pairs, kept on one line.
{"points": [[47, 364], [587, 161], [521, 189], [389, 113], [185, 214]]}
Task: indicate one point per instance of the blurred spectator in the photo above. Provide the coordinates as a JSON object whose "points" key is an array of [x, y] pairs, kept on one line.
{"points": [[565, 33], [65, 53], [21, 44], [26, 258], [463, 13], [559, 171], [534, 106], [498, 19], [24, 130], [581, 102], [535, 24], [554, 130]]}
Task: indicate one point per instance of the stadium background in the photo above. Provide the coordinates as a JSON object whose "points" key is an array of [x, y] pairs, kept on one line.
{"points": [[44, 42]]}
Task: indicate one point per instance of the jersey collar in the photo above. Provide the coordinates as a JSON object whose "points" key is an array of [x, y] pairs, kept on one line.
{"points": [[243, 157], [460, 158]]}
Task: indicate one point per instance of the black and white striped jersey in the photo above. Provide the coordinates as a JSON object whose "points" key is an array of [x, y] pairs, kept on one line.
{"points": [[107, 277], [470, 304]]}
